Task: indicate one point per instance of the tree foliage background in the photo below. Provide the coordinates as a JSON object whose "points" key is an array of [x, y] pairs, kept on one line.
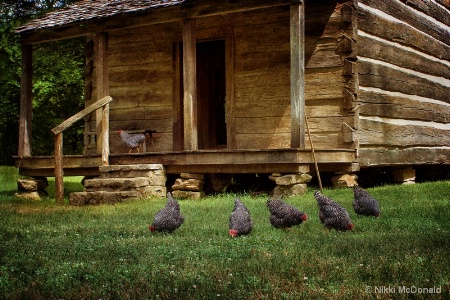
{"points": [[58, 82]]}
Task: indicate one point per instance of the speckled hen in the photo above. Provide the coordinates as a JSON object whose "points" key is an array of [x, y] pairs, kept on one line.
{"points": [[283, 215], [240, 220], [169, 217], [331, 214], [364, 204]]}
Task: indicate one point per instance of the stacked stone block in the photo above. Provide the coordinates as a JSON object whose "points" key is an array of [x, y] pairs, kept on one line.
{"points": [[189, 186], [290, 185], [31, 188], [122, 182]]}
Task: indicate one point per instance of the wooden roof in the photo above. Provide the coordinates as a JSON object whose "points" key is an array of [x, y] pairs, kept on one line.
{"points": [[90, 10]]}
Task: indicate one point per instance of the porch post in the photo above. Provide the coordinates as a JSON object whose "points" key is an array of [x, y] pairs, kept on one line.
{"points": [[190, 85], [297, 33], [26, 98], [102, 82]]}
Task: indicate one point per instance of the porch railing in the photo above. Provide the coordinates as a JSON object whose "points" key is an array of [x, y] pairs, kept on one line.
{"points": [[58, 132]]}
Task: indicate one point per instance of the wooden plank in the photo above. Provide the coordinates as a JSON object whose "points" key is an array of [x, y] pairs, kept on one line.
{"points": [[230, 88], [402, 133], [297, 83], [322, 140], [59, 174], [189, 85], [177, 106], [377, 156], [401, 33], [26, 95], [78, 116]]}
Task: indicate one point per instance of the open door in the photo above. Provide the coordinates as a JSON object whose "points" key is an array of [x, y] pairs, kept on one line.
{"points": [[211, 91]]}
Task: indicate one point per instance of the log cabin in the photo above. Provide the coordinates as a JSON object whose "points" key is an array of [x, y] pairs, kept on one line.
{"points": [[253, 86]]}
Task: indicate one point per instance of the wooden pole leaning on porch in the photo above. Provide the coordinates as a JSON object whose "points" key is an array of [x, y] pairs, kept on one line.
{"points": [[313, 153], [58, 132]]}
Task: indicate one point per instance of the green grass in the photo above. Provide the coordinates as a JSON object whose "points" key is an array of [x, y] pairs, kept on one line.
{"points": [[51, 251]]}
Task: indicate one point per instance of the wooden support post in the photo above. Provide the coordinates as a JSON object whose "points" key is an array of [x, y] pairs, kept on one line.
{"points": [[297, 34], [26, 98], [59, 175], [190, 85], [105, 135], [102, 86]]}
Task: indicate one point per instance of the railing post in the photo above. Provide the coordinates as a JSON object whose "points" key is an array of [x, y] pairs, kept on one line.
{"points": [[59, 176], [105, 135], [102, 104]]}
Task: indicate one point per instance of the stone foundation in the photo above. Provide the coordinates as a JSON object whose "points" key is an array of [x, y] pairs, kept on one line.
{"points": [[31, 188], [290, 185], [404, 176], [122, 182], [189, 186], [344, 180]]}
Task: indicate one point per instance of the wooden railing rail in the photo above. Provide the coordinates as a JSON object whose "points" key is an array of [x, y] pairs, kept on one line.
{"points": [[58, 132]]}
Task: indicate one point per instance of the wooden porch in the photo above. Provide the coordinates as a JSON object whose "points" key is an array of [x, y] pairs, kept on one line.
{"points": [[201, 161]]}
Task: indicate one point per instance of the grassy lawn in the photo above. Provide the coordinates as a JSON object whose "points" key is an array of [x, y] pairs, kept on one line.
{"points": [[51, 251]]}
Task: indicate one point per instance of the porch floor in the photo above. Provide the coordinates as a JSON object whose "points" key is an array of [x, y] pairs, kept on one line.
{"points": [[202, 161]]}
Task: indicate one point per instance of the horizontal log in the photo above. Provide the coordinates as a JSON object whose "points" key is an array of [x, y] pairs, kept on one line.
{"points": [[430, 8], [401, 33], [410, 16], [372, 156], [321, 140], [389, 77], [378, 48], [402, 133], [377, 102], [270, 125]]}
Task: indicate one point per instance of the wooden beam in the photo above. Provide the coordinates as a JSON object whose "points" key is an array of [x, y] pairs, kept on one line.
{"points": [[102, 86], [297, 35], [190, 85], [26, 98], [59, 175]]}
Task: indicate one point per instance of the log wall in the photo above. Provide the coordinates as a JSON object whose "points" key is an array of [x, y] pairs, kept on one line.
{"points": [[402, 96]]}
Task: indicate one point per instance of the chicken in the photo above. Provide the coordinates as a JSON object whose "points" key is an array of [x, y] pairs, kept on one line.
{"points": [[331, 214], [169, 217], [364, 203], [133, 141], [240, 221], [283, 215]]}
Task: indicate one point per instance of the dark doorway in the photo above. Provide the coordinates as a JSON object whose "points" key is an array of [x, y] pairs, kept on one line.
{"points": [[211, 91]]}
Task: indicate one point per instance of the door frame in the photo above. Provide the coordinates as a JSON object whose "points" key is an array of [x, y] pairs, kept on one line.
{"points": [[225, 33]]}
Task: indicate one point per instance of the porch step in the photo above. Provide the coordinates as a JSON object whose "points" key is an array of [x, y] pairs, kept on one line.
{"points": [[118, 183], [101, 197]]}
